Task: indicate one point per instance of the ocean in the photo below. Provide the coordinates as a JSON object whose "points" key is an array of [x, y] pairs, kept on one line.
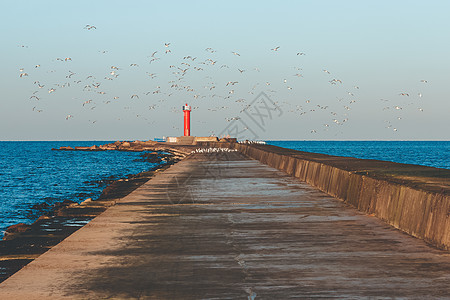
{"points": [[426, 153], [31, 173]]}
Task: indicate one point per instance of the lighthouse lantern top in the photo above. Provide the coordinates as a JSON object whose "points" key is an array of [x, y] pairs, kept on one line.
{"points": [[186, 107]]}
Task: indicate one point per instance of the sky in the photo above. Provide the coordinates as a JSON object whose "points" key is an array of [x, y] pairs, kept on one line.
{"points": [[265, 70]]}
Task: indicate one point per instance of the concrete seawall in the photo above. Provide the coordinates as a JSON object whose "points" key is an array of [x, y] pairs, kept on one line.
{"points": [[413, 199]]}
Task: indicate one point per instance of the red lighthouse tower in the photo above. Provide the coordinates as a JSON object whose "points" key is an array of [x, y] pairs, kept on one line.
{"points": [[187, 120]]}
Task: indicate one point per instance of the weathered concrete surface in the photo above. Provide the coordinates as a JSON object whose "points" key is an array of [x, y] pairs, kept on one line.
{"points": [[220, 226], [414, 199]]}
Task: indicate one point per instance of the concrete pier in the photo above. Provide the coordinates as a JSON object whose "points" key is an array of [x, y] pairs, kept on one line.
{"points": [[222, 226]]}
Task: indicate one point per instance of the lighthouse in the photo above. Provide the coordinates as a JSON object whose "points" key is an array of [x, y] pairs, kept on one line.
{"points": [[187, 120]]}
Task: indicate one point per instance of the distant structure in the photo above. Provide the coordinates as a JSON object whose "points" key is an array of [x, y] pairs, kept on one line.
{"points": [[187, 120], [187, 139]]}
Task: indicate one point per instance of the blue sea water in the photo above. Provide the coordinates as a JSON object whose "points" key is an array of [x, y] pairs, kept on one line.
{"points": [[31, 173], [426, 153]]}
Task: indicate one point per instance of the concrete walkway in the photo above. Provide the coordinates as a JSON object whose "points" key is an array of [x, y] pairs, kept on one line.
{"points": [[219, 226]]}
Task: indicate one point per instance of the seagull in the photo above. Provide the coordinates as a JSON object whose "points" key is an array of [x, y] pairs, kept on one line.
{"points": [[37, 66], [404, 94], [134, 96], [424, 81], [235, 53], [275, 49], [34, 97], [68, 117], [86, 102], [326, 71], [420, 95], [67, 58], [23, 74], [89, 27], [51, 90], [242, 71], [301, 53], [166, 45], [134, 65]]}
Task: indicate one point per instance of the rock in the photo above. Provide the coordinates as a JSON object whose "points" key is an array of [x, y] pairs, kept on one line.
{"points": [[12, 230], [85, 202], [63, 203], [65, 148], [40, 205], [126, 144]]}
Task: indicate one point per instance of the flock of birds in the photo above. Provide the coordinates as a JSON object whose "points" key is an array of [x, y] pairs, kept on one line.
{"points": [[200, 78], [252, 142], [213, 150]]}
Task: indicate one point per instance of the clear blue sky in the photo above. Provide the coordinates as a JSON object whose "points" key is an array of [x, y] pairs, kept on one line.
{"points": [[374, 52]]}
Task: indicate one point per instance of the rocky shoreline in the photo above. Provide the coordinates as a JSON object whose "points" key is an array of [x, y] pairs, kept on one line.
{"points": [[22, 243]]}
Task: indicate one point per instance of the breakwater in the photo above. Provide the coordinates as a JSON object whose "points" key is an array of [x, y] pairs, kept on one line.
{"points": [[414, 199]]}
